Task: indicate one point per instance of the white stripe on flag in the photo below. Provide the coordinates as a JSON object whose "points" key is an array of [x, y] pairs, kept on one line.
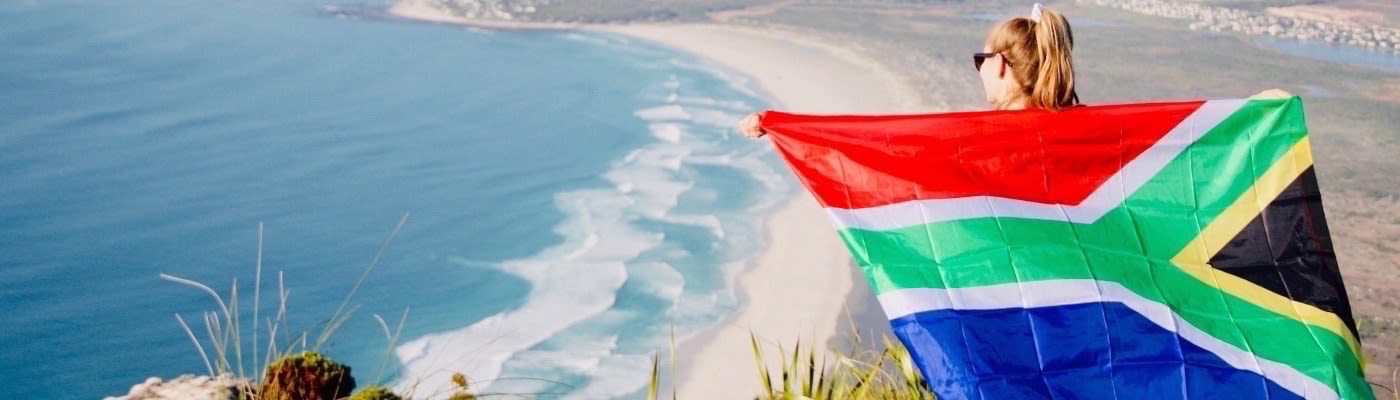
{"points": [[1108, 196]]}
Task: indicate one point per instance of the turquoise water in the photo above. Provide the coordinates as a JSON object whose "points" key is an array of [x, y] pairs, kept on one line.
{"points": [[570, 197]]}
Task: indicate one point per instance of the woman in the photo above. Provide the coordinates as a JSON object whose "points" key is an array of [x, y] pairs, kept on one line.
{"points": [[1025, 63]]}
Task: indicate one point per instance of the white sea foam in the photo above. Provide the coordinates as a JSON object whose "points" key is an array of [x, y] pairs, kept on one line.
{"points": [[664, 113], [616, 375], [693, 311], [582, 357], [710, 222], [713, 117], [599, 40], [659, 279], [667, 131], [569, 284], [730, 105], [773, 181], [626, 187], [568, 324], [723, 159], [653, 172]]}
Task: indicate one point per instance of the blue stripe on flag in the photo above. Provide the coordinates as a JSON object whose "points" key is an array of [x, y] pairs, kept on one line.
{"points": [[1086, 351]]}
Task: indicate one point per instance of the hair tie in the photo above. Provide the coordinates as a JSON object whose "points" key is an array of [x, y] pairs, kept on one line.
{"points": [[1035, 12]]}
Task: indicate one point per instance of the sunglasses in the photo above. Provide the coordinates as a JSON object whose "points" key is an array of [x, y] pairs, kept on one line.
{"points": [[979, 58]]}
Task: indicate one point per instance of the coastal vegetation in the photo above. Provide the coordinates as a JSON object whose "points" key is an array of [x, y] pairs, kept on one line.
{"points": [[859, 370], [888, 374]]}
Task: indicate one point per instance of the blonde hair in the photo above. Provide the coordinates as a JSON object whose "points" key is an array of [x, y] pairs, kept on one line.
{"points": [[1039, 54]]}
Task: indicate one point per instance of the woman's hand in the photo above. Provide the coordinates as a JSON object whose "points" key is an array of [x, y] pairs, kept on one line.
{"points": [[1275, 92], [749, 126]]}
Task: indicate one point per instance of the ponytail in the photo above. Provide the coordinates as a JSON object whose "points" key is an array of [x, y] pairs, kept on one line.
{"points": [[1053, 88], [1038, 49]]}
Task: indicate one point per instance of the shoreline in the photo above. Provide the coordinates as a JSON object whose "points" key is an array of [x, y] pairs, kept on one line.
{"points": [[803, 251], [800, 239]]}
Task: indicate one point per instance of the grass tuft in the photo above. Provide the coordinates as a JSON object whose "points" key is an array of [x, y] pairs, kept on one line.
{"points": [[296, 370], [806, 373], [810, 374]]}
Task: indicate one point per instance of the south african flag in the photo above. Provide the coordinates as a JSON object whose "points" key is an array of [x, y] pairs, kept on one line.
{"points": [[1165, 250]]}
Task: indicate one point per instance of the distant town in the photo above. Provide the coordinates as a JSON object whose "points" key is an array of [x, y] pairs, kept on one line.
{"points": [[1221, 19], [489, 9], [1202, 17]]}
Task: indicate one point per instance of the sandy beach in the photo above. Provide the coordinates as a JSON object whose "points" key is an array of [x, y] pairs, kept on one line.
{"points": [[798, 289]]}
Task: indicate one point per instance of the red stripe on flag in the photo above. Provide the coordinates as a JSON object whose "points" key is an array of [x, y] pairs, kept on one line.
{"points": [[1038, 156]]}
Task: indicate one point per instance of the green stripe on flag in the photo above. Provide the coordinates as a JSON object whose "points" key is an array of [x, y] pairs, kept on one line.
{"points": [[1131, 245]]}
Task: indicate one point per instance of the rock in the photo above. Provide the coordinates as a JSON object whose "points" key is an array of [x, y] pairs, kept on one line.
{"points": [[188, 387]]}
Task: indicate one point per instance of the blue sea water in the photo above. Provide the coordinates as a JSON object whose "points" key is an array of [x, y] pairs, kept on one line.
{"points": [[570, 197]]}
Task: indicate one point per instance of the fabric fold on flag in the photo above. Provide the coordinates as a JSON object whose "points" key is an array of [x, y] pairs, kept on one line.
{"points": [[1167, 250]]}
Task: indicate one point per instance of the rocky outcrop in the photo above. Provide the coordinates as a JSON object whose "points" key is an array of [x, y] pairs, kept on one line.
{"points": [[188, 387]]}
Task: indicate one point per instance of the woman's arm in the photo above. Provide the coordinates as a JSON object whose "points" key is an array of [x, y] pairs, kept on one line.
{"points": [[749, 126]]}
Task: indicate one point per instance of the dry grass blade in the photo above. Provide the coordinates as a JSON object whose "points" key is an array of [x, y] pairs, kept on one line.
{"points": [[762, 367], [824, 383], [810, 378], [1395, 384], [197, 346], [340, 316], [274, 325], [211, 324], [673, 361], [788, 367], [197, 285], [257, 294], [233, 332], [655, 378], [1393, 389], [392, 339]]}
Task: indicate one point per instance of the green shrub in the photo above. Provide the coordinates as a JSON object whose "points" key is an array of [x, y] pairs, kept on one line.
{"points": [[375, 392], [306, 376]]}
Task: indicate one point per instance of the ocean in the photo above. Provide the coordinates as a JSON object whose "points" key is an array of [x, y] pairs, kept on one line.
{"points": [[569, 199]]}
